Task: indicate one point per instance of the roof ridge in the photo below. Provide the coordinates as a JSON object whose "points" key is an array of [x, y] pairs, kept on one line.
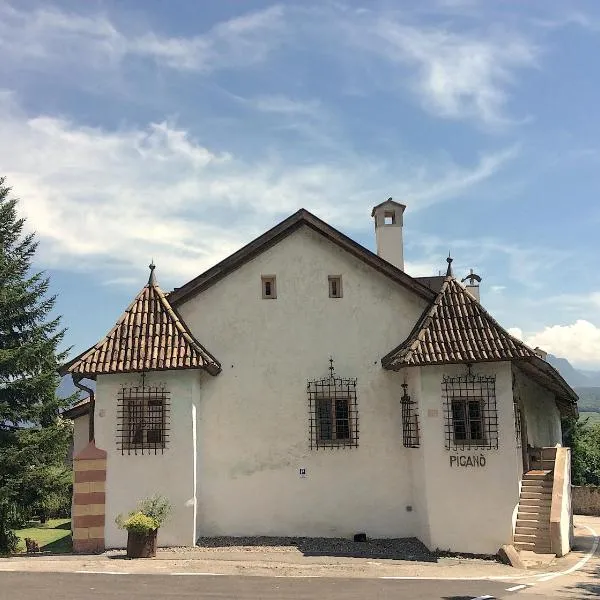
{"points": [[278, 232]]}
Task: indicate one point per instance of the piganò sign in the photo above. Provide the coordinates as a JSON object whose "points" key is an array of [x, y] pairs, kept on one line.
{"points": [[477, 460]]}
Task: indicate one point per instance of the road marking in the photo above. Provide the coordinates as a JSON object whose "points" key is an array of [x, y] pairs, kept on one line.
{"points": [[516, 588], [580, 564], [486, 597], [211, 574], [104, 572]]}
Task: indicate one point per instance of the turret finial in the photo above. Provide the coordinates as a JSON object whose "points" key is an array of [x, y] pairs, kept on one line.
{"points": [[449, 270], [152, 278]]}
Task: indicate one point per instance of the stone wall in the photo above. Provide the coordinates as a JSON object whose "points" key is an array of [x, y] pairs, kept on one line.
{"points": [[586, 500]]}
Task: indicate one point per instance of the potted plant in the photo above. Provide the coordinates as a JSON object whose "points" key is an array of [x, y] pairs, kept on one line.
{"points": [[142, 526]]}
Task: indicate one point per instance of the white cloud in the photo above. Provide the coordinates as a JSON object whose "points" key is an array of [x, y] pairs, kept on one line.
{"points": [[457, 75], [48, 35], [238, 42], [579, 342], [286, 106], [114, 199], [516, 332]]}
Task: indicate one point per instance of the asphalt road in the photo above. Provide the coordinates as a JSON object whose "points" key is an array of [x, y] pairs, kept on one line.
{"points": [[71, 586]]}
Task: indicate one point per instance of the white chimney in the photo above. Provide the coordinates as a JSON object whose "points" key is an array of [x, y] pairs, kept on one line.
{"points": [[388, 231], [473, 284]]}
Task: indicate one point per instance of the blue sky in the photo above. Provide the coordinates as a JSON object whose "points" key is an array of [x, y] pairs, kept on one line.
{"points": [[179, 131]]}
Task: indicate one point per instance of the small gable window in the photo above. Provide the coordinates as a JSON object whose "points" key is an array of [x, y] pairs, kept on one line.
{"points": [[269, 287], [470, 412], [335, 286], [333, 412], [389, 217], [142, 420]]}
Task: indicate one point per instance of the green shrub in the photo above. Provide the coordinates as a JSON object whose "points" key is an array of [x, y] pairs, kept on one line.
{"points": [[140, 523], [8, 542], [156, 509]]}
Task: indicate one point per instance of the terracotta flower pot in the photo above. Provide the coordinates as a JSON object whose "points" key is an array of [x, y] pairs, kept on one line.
{"points": [[141, 545]]}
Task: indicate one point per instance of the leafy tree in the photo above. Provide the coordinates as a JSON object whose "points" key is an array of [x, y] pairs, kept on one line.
{"points": [[33, 439], [584, 441]]}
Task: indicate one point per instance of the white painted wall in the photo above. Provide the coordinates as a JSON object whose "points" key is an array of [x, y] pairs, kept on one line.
{"points": [[131, 478], [541, 412], [566, 509], [468, 509], [253, 419], [81, 433]]}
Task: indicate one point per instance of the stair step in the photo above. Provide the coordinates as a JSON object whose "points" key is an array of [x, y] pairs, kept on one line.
{"points": [[538, 549], [535, 500], [533, 523], [537, 473], [537, 483], [536, 495], [538, 513], [536, 532], [532, 538]]}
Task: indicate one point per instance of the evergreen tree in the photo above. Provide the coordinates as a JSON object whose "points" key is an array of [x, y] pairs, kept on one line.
{"points": [[33, 439]]}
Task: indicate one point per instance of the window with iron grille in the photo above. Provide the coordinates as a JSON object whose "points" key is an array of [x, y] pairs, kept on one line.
{"points": [[410, 421], [333, 412], [143, 420], [470, 412], [518, 418]]}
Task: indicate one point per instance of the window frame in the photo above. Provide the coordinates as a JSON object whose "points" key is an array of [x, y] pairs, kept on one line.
{"points": [[272, 280], [337, 279], [465, 402], [333, 411]]}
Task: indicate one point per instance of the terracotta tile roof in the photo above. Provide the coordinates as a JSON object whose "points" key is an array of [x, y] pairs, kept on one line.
{"points": [[149, 336], [457, 329]]}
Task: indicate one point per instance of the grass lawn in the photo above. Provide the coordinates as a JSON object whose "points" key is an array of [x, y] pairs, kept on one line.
{"points": [[53, 536], [594, 417]]}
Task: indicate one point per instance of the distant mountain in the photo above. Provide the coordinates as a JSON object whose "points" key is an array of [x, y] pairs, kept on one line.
{"points": [[574, 377], [585, 383]]}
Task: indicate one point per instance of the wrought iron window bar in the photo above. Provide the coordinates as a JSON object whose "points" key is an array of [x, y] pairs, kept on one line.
{"points": [[410, 420], [143, 419], [333, 412], [470, 413]]}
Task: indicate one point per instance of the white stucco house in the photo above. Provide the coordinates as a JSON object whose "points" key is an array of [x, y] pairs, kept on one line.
{"points": [[305, 386]]}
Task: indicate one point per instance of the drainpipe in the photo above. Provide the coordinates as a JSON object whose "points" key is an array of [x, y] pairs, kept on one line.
{"points": [[76, 381]]}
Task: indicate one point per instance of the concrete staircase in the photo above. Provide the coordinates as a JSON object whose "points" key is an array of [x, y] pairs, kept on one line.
{"points": [[532, 531]]}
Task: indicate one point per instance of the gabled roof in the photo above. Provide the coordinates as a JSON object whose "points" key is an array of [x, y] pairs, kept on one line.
{"points": [[457, 329], [278, 233], [149, 336]]}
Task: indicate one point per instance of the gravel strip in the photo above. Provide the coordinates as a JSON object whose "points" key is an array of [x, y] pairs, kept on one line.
{"points": [[394, 549]]}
